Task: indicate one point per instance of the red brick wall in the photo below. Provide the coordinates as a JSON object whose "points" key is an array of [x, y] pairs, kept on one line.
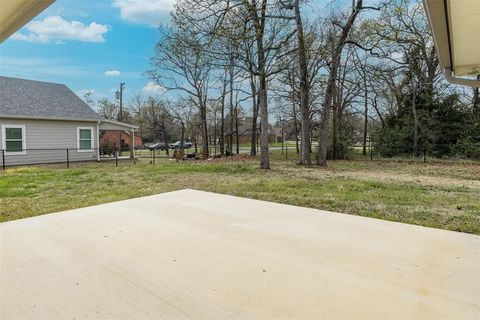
{"points": [[111, 138]]}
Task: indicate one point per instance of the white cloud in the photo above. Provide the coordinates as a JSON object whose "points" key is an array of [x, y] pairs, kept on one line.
{"points": [[152, 88], [150, 12], [57, 29], [112, 73]]}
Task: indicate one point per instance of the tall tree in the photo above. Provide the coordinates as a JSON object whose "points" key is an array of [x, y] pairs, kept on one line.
{"points": [[182, 63], [338, 43]]}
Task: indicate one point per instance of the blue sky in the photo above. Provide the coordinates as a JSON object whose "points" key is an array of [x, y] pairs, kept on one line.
{"points": [[89, 45], [93, 45]]}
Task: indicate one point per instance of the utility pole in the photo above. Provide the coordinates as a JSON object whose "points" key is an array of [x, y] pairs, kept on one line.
{"points": [[119, 96]]}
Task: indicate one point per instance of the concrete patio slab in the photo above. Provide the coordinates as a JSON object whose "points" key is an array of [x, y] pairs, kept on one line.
{"points": [[191, 254]]}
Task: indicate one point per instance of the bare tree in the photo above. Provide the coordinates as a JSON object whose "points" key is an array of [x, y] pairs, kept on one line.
{"points": [[330, 91], [182, 63]]}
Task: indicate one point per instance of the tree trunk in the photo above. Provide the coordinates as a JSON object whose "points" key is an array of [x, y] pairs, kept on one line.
{"points": [[365, 122], [265, 159], [165, 137], [331, 84], [253, 147], [194, 137], [322, 143], [476, 101], [415, 120], [334, 129], [295, 126], [375, 106], [259, 24], [305, 157], [215, 131], [222, 118], [231, 120], [237, 138], [203, 115]]}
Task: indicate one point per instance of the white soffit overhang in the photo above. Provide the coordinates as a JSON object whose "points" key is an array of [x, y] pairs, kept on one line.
{"points": [[465, 36], [14, 14], [455, 26]]}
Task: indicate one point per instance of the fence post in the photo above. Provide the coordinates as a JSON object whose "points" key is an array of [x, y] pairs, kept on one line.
{"points": [[424, 154], [3, 160], [153, 156], [286, 153], [68, 159], [371, 152], [116, 159]]}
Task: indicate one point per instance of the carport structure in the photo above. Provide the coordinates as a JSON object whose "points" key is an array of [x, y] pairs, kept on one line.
{"points": [[118, 127], [197, 255]]}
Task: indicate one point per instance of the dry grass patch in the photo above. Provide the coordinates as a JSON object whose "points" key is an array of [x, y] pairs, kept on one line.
{"points": [[441, 196]]}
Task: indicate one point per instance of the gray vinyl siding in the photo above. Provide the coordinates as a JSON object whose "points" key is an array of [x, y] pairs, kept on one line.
{"points": [[47, 141]]}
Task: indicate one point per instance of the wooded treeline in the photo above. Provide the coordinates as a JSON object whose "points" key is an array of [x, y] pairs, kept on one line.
{"points": [[355, 69]]}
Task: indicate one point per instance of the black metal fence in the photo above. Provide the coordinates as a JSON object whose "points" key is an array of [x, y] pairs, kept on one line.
{"points": [[67, 157], [62, 156], [372, 152]]}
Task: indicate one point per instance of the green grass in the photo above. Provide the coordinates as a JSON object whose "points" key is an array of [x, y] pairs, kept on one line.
{"points": [[436, 195]]}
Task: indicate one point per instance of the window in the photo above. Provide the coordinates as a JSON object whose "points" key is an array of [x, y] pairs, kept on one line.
{"points": [[85, 139], [13, 139]]}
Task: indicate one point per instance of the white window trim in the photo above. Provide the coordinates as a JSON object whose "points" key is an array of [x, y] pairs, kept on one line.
{"points": [[24, 139], [92, 139]]}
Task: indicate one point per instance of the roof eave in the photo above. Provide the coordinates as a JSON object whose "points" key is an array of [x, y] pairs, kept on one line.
{"points": [[19, 13], [8, 116], [124, 124], [437, 18]]}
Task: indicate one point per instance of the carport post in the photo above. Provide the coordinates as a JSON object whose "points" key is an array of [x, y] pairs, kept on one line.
{"points": [[116, 159]]}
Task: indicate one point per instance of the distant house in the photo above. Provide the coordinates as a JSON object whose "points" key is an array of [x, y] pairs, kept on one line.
{"points": [[245, 132], [39, 121]]}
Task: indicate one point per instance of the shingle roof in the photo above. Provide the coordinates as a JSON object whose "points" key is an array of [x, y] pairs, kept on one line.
{"points": [[36, 99]]}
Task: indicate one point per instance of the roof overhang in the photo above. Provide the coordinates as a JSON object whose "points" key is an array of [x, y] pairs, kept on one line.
{"points": [[9, 116], [14, 14], [115, 125], [455, 26]]}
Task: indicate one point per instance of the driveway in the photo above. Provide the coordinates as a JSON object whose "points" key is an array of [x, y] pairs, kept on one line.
{"points": [[191, 254]]}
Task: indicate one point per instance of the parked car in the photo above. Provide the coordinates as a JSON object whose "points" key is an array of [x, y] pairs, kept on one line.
{"points": [[157, 146], [178, 145]]}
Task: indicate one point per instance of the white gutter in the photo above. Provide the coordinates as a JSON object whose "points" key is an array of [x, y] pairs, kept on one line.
{"points": [[454, 36], [455, 80]]}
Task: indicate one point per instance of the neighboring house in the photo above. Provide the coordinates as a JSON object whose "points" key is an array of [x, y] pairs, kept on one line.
{"points": [[245, 132], [39, 121], [112, 139], [275, 134]]}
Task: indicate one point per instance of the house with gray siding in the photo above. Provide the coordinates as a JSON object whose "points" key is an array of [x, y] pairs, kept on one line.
{"points": [[40, 121]]}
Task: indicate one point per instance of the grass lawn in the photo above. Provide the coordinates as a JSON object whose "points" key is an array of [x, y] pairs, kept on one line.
{"points": [[437, 195]]}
